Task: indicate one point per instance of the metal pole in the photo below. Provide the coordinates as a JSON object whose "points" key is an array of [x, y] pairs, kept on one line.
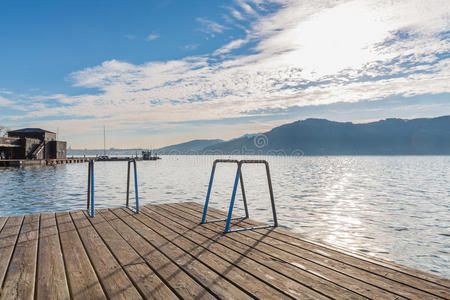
{"points": [[205, 208], [233, 196], [104, 140], [128, 184], [244, 197], [89, 185], [92, 190], [272, 200], [136, 187]]}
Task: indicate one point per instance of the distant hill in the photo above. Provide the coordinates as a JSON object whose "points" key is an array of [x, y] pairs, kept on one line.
{"points": [[110, 151], [323, 137], [191, 147]]}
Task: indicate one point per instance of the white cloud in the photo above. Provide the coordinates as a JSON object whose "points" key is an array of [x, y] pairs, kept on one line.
{"points": [[48, 97], [130, 36], [237, 14], [235, 44], [190, 47], [5, 92], [246, 7], [152, 36], [210, 27], [5, 102], [306, 53]]}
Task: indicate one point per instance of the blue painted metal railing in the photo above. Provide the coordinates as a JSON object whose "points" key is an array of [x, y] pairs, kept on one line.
{"points": [[208, 195], [91, 194], [238, 179], [136, 195]]}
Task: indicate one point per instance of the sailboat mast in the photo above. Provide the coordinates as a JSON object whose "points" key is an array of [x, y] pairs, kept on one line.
{"points": [[104, 140]]}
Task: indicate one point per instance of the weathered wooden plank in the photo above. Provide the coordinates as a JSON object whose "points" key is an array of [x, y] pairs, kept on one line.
{"points": [[2, 222], [145, 280], [371, 273], [291, 236], [408, 282], [164, 253], [234, 273], [51, 279], [8, 238], [384, 266], [20, 278], [260, 272], [213, 281], [83, 282], [114, 280], [322, 279], [377, 265], [175, 277]]}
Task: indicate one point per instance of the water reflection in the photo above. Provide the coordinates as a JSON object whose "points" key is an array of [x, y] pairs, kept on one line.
{"points": [[396, 208]]}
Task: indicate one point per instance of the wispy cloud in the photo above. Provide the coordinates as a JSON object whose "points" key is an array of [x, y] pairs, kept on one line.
{"points": [[237, 14], [247, 8], [189, 47], [49, 97], [5, 102], [6, 92], [305, 53], [152, 36], [210, 27], [235, 44]]}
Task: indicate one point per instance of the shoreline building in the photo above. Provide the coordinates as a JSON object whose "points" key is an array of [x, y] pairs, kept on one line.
{"points": [[32, 143]]}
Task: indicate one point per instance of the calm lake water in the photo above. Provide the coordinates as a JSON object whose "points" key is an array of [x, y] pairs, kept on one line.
{"points": [[396, 208]]}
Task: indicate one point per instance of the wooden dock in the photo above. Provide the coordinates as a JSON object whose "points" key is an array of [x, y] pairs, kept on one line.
{"points": [[41, 162], [164, 253]]}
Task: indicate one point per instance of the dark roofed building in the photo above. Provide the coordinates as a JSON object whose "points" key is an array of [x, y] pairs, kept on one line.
{"points": [[30, 130], [31, 143], [34, 133]]}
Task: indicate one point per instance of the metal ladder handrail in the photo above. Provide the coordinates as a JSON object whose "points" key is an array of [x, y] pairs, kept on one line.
{"points": [[233, 196], [91, 194], [208, 194], [135, 187], [239, 179]]}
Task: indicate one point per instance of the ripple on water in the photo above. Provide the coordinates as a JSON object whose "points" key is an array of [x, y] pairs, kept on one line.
{"points": [[355, 202]]}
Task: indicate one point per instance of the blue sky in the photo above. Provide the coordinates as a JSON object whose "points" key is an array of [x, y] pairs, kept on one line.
{"points": [[162, 72]]}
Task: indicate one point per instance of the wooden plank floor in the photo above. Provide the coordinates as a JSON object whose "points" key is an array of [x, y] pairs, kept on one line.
{"points": [[163, 253]]}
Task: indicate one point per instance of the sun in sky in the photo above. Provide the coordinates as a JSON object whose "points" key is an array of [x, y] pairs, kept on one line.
{"points": [[161, 72]]}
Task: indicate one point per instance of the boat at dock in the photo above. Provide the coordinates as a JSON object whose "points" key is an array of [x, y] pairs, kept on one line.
{"points": [[147, 155], [116, 158]]}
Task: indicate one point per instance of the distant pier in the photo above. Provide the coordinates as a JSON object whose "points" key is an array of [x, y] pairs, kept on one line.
{"points": [[164, 253], [42, 162]]}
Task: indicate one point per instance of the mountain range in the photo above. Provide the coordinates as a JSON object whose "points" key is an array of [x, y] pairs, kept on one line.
{"points": [[323, 137], [192, 146], [423, 136]]}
